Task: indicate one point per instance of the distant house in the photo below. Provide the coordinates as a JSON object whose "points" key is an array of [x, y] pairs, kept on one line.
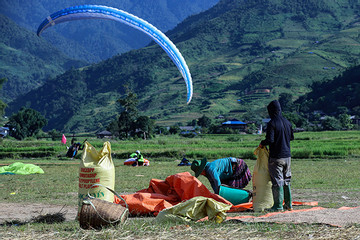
{"points": [[189, 130], [104, 134], [258, 90], [235, 124], [220, 117], [355, 120], [4, 131]]}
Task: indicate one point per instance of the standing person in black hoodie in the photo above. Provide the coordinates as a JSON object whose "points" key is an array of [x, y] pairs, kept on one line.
{"points": [[279, 133]]}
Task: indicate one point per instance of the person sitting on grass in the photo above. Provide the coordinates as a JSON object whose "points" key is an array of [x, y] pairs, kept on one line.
{"points": [[74, 149], [139, 159]]}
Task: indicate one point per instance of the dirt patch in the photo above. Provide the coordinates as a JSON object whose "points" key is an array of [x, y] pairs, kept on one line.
{"points": [[332, 215], [342, 217], [348, 198], [22, 213]]}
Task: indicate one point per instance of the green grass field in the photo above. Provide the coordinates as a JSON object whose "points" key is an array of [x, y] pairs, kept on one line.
{"points": [[325, 168]]}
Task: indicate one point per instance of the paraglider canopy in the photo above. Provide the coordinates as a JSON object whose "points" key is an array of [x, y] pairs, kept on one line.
{"points": [[104, 12]]}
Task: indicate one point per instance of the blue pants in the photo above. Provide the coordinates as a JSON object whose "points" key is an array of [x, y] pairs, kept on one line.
{"points": [[280, 171]]}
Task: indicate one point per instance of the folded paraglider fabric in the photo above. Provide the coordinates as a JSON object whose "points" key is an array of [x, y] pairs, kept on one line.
{"points": [[162, 194], [21, 169], [166, 193], [195, 209]]}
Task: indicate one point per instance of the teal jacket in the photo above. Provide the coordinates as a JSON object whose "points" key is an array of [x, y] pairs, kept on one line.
{"points": [[218, 171]]}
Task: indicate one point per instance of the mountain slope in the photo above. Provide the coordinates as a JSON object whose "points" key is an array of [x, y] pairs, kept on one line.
{"points": [[26, 60], [238, 50], [342, 91], [93, 41]]}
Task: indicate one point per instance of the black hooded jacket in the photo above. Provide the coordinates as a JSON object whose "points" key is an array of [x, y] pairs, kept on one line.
{"points": [[279, 132]]}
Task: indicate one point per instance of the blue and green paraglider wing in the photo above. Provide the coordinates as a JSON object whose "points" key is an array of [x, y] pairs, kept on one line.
{"points": [[104, 12]]}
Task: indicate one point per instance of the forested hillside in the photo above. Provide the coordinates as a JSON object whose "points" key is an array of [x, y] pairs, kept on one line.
{"points": [[242, 54], [331, 96], [26, 60], [93, 41]]}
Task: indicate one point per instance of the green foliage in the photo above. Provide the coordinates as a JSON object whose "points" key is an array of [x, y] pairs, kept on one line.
{"points": [[331, 123], [81, 41], [330, 144], [296, 119], [251, 128], [145, 126], [129, 103], [338, 95], [113, 127], [204, 122], [285, 100], [233, 50], [161, 130], [55, 135], [27, 61], [330, 172], [129, 123], [127, 118], [26, 123], [174, 129], [2, 104], [125, 124], [345, 121]]}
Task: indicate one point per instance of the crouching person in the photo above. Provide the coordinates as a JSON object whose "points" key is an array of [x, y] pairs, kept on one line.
{"points": [[229, 171]]}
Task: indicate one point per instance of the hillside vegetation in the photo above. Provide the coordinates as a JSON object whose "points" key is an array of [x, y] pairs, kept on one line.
{"points": [[97, 40], [27, 61], [241, 54], [89, 40], [328, 96]]}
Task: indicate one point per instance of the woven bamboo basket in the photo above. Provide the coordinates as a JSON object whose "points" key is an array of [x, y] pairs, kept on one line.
{"points": [[97, 213]]}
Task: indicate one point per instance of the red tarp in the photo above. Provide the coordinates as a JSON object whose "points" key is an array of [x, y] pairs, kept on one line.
{"points": [[174, 189]]}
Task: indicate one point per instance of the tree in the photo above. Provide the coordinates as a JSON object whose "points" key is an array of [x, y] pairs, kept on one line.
{"points": [[342, 110], [2, 104], [54, 134], [192, 123], [356, 111], [125, 124], [113, 127], [296, 119], [174, 129], [128, 116], [331, 123], [145, 125], [345, 121], [161, 130], [129, 103], [285, 100], [204, 121], [26, 123], [251, 128]]}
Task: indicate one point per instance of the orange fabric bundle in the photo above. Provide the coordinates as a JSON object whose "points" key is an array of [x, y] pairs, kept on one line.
{"points": [[166, 193], [174, 189]]}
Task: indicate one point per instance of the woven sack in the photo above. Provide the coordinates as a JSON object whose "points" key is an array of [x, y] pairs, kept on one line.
{"points": [[97, 213], [262, 193]]}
